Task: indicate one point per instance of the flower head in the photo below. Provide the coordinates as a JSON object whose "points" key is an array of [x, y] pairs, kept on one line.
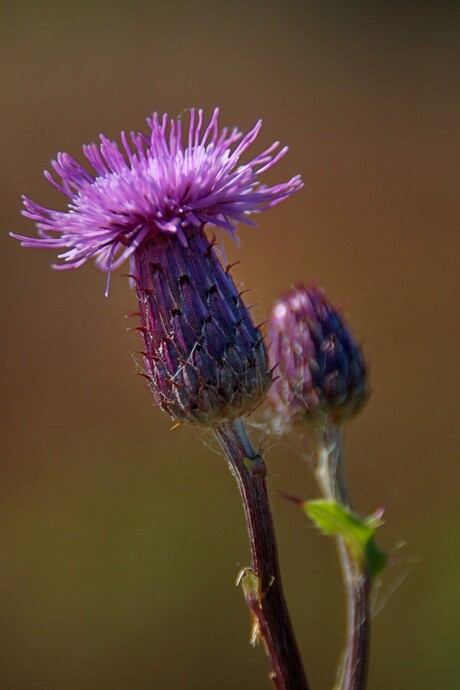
{"points": [[154, 184], [320, 367], [148, 201]]}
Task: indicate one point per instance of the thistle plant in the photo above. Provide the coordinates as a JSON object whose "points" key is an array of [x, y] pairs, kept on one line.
{"points": [[322, 381], [148, 202]]}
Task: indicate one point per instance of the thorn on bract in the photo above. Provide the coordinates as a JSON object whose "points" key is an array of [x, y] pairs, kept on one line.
{"points": [[230, 266], [293, 499], [140, 329]]}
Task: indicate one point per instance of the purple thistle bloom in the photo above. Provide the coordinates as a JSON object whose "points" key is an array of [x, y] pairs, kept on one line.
{"points": [[154, 184], [321, 373], [149, 202]]}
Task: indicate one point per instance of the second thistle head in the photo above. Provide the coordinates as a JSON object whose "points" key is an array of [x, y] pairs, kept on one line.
{"points": [[319, 367]]}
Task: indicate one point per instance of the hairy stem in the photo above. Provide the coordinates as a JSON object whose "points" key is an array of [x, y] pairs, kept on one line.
{"points": [[331, 477], [265, 597]]}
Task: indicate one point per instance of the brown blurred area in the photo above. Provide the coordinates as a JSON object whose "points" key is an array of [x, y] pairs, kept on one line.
{"points": [[120, 540]]}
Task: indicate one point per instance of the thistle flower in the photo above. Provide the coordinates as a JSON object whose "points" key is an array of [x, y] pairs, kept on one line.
{"points": [[148, 201], [321, 374]]}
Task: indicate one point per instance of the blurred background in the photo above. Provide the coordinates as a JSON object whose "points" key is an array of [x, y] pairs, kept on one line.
{"points": [[120, 540]]}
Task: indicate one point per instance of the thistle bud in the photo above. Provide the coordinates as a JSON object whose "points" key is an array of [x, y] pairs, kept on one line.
{"points": [[205, 359], [319, 367]]}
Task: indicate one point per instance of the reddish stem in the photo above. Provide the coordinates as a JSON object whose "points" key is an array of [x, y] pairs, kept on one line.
{"points": [[270, 612]]}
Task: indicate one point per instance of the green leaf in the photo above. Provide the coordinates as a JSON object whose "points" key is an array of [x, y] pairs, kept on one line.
{"points": [[358, 533]]}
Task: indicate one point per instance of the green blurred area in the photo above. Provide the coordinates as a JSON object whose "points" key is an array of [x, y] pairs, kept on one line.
{"points": [[120, 540]]}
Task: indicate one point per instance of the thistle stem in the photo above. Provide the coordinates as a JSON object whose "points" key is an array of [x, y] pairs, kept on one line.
{"points": [[267, 604], [331, 477]]}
